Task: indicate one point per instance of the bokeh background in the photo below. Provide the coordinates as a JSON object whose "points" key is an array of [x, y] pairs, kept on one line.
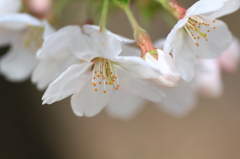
{"points": [[29, 130]]}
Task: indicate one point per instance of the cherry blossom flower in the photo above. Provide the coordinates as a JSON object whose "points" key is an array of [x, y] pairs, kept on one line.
{"points": [[198, 33], [25, 34], [54, 56], [93, 82], [9, 6]]}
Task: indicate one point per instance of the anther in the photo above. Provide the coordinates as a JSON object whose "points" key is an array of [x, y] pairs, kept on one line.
{"points": [[197, 44], [100, 82], [96, 90], [104, 91]]}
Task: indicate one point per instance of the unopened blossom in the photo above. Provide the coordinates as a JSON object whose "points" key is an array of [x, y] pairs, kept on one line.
{"points": [[25, 34], [9, 6], [165, 64], [198, 33], [54, 56], [93, 82], [230, 58]]}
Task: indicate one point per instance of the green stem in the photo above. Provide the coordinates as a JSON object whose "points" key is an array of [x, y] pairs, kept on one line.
{"points": [[103, 19], [132, 20], [164, 3]]}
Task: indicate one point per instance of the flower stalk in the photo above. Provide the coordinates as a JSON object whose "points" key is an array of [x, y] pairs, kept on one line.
{"points": [[142, 39], [174, 8], [103, 19]]}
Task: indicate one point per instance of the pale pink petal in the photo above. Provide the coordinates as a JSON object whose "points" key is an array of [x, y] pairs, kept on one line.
{"points": [[136, 66], [208, 78], [229, 7], [203, 7], [184, 55], [97, 45], [69, 82], [9, 6], [18, 21], [140, 87], [50, 68], [230, 58], [180, 100], [90, 29], [124, 105], [58, 41], [219, 39], [171, 39], [18, 64], [87, 102]]}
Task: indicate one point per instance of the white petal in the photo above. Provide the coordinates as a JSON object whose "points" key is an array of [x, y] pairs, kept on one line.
{"points": [[49, 69], [17, 64], [69, 82], [229, 7], [208, 78], [87, 102], [9, 6], [90, 29], [97, 45], [136, 66], [219, 39], [18, 21], [48, 29], [58, 41], [180, 100], [230, 58], [184, 55], [137, 86], [204, 7], [6, 36], [171, 38], [124, 105], [169, 76]]}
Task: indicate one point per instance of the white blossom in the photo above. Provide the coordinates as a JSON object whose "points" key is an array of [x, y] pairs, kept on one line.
{"points": [[198, 33], [93, 82], [25, 34]]}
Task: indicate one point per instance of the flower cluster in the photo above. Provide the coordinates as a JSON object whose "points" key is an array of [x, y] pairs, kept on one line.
{"points": [[99, 69]]}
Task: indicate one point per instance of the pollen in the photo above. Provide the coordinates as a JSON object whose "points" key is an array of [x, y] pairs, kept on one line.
{"points": [[105, 69], [196, 27]]}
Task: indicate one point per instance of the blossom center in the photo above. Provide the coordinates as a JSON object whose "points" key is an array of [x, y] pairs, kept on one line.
{"points": [[104, 74], [32, 38], [198, 29]]}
